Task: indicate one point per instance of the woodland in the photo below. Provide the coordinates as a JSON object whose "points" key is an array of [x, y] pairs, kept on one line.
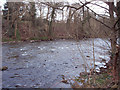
{"points": [[38, 22]]}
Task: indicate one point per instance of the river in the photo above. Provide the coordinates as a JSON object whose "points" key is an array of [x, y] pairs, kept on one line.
{"points": [[42, 64]]}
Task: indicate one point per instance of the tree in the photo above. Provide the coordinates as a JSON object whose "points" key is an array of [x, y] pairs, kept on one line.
{"points": [[114, 35], [118, 16], [54, 6], [11, 12], [32, 12]]}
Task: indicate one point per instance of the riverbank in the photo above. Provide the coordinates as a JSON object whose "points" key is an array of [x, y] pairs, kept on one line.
{"points": [[103, 79]]}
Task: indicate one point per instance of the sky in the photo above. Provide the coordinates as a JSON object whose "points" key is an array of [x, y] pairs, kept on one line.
{"points": [[2, 2], [97, 9], [93, 7]]}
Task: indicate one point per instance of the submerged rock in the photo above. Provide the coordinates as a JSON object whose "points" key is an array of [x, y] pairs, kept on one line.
{"points": [[18, 85], [4, 68]]}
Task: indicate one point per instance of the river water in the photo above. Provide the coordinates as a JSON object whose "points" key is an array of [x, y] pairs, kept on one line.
{"points": [[42, 64]]}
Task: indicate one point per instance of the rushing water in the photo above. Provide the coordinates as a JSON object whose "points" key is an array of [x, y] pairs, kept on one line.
{"points": [[42, 64]]}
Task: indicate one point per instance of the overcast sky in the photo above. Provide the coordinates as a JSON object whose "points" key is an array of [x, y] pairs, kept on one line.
{"points": [[97, 9], [2, 2]]}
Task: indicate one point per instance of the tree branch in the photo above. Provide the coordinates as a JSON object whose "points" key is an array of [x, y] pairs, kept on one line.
{"points": [[51, 6], [100, 6], [116, 22], [102, 23], [84, 4], [113, 6], [92, 10]]}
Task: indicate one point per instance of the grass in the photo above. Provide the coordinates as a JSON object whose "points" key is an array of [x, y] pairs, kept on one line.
{"points": [[7, 39], [10, 39], [18, 35], [18, 38], [96, 81], [40, 38], [44, 38], [34, 38]]}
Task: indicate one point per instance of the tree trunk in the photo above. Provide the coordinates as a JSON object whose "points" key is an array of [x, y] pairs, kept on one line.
{"points": [[83, 13], [15, 30], [113, 34], [50, 33], [40, 11], [113, 42], [114, 54], [118, 10], [47, 13], [62, 15], [68, 20], [76, 27]]}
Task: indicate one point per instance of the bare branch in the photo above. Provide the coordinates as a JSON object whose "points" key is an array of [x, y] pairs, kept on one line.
{"points": [[68, 6], [100, 6], [76, 7], [102, 23], [113, 6], [116, 22], [53, 6], [92, 10]]}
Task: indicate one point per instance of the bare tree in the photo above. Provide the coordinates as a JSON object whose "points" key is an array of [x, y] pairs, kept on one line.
{"points": [[12, 12], [54, 7]]}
